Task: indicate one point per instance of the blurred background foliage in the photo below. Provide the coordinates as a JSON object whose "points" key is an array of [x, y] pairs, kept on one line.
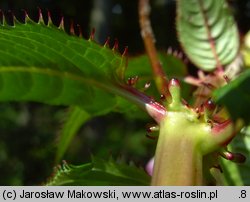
{"points": [[29, 131]]}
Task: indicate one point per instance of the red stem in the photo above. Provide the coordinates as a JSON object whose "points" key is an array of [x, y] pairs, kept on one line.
{"points": [[149, 43], [153, 108]]}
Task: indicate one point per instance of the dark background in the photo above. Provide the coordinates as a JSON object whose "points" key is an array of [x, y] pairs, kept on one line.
{"points": [[28, 131]]}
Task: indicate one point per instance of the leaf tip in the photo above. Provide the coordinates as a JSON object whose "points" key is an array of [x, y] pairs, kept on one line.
{"points": [[92, 35], [125, 52], [50, 23], [106, 44], [61, 25], [40, 17], [27, 19], [116, 45]]}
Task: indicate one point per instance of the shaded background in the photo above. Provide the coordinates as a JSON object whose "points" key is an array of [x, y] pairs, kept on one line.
{"points": [[28, 131]]}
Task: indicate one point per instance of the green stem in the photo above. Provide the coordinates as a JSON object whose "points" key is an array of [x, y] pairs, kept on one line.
{"points": [[177, 159]]}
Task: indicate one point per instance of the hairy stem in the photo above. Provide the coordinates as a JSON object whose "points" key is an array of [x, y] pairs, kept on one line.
{"points": [[149, 43]]}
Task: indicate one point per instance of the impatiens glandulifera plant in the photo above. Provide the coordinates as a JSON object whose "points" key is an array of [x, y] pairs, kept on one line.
{"points": [[41, 62]]}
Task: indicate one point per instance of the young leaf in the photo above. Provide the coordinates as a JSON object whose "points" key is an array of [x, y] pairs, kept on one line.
{"points": [[207, 32], [100, 173], [236, 96]]}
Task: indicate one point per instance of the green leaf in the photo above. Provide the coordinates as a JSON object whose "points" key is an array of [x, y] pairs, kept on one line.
{"points": [[238, 174], [173, 66], [42, 63], [140, 66], [207, 32], [75, 119], [236, 96], [100, 173]]}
